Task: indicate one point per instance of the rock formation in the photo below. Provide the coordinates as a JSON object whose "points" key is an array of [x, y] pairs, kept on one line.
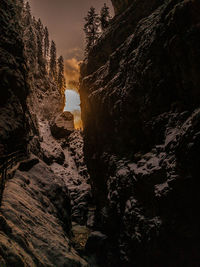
{"points": [[140, 99], [140, 109], [44, 193], [120, 5], [63, 125], [14, 89]]}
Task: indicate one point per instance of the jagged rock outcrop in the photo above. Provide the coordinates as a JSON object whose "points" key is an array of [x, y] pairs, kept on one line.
{"points": [[63, 125], [140, 99]]}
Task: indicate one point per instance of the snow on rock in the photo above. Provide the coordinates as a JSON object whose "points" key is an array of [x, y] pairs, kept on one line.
{"points": [[51, 151], [35, 222], [66, 158], [76, 145], [145, 193], [75, 176]]}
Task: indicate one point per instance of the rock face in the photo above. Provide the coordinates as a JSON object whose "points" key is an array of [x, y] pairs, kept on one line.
{"points": [[39, 200], [120, 5], [63, 125], [27, 93], [140, 99], [35, 223], [14, 126]]}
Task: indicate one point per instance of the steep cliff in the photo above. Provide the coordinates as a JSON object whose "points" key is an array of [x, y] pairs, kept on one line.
{"points": [[49, 189], [140, 99], [14, 125]]}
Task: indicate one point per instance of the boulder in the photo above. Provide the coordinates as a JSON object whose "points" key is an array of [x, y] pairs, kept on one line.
{"points": [[63, 125]]}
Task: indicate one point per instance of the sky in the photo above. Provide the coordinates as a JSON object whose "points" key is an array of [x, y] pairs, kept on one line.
{"points": [[65, 21], [73, 105]]}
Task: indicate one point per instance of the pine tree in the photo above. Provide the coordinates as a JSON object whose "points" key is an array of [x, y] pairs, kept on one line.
{"points": [[27, 14], [19, 8], [53, 63], [46, 42], [39, 29], [91, 29], [30, 45], [34, 21], [105, 17], [29, 36], [40, 46], [61, 77]]}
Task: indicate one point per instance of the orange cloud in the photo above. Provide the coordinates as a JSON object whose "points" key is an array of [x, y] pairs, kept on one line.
{"points": [[72, 73]]}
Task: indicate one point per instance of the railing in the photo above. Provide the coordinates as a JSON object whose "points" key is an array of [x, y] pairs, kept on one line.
{"points": [[7, 163]]}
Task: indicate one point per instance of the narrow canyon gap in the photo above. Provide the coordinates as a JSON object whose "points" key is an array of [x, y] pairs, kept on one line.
{"points": [[65, 20], [121, 187], [73, 105]]}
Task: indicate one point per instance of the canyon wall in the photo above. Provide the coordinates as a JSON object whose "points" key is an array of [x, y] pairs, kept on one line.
{"points": [[140, 110], [120, 5], [36, 206], [14, 122], [28, 94]]}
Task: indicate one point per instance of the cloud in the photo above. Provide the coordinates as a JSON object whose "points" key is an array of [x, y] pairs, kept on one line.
{"points": [[75, 52], [72, 73]]}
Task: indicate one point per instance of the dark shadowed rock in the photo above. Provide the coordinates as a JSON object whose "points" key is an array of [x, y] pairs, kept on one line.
{"points": [[96, 242], [120, 5], [63, 125], [28, 164], [56, 156], [140, 110]]}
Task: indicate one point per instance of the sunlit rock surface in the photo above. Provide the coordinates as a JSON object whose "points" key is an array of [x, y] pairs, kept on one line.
{"points": [[140, 98], [35, 222]]}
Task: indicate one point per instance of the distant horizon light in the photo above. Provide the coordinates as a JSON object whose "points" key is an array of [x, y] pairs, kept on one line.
{"points": [[72, 102]]}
